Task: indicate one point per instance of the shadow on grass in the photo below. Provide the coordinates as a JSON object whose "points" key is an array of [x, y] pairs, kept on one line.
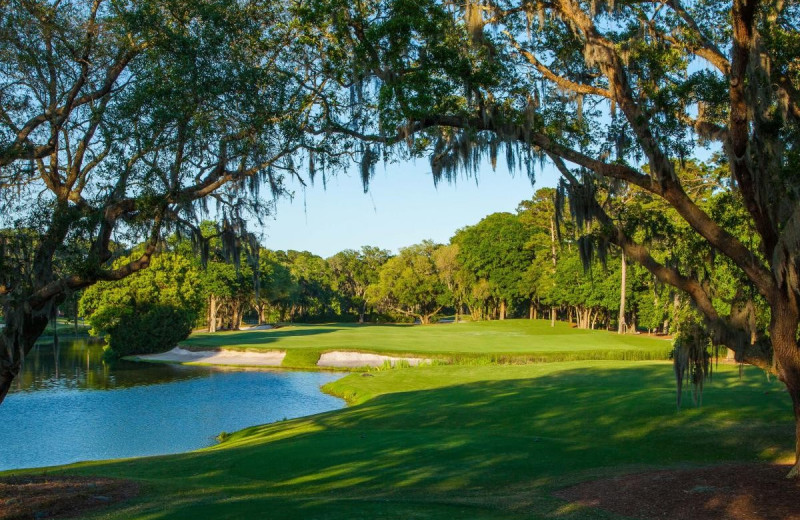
{"points": [[493, 449]]}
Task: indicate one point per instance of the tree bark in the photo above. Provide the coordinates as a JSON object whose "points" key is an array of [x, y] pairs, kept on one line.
{"points": [[212, 313], [236, 315], [23, 328], [622, 296], [76, 316], [503, 309], [783, 334]]}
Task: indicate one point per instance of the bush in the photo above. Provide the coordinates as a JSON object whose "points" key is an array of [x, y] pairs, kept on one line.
{"points": [[154, 328]]}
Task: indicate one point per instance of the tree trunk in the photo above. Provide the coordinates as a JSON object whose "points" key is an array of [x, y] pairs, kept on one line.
{"points": [[783, 334], [76, 316], [582, 317], [212, 313], [362, 312], [622, 286], [554, 258], [531, 311], [23, 328], [236, 315], [503, 309]]}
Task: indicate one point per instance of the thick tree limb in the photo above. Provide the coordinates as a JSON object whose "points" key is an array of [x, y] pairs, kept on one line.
{"points": [[567, 84], [668, 189], [744, 13], [724, 332], [707, 50]]}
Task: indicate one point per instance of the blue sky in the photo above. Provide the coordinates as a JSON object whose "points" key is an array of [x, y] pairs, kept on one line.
{"points": [[402, 208]]}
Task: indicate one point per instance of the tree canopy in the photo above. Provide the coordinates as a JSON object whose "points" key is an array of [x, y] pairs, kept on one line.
{"points": [[121, 121], [617, 95], [409, 283]]}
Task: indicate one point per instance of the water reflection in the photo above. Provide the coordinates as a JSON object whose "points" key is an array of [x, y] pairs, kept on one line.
{"points": [[79, 364]]}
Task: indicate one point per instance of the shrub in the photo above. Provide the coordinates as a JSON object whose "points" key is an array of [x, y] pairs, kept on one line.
{"points": [[154, 328]]}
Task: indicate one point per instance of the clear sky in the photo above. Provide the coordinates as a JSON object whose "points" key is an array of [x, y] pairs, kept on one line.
{"points": [[402, 207]]}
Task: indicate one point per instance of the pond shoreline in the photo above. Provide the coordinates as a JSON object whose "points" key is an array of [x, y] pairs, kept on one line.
{"points": [[71, 405]]}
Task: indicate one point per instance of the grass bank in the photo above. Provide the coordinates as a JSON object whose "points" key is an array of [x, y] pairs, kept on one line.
{"points": [[478, 442], [487, 342]]}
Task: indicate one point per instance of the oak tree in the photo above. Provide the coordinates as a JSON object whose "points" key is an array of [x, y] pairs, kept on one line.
{"points": [[120, 122], [616, 95]]}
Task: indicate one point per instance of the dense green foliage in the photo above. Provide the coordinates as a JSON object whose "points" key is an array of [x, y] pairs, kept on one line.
{"points": [[495, 251], [147, 328], [507, 265], [149, 311], [410, 284]]}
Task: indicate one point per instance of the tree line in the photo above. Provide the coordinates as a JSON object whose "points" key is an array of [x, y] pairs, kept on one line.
{"points": [[526, 264]]}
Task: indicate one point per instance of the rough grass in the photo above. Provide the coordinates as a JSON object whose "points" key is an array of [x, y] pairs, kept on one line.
{"points": [[475, 343], [457, 441]]}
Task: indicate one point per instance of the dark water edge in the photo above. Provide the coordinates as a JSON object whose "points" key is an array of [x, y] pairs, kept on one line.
{"points": [[79, 364], [69, 406]]}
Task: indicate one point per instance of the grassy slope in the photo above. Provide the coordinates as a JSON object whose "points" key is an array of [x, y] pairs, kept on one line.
{"points": [[445, 442], [489, 341]]}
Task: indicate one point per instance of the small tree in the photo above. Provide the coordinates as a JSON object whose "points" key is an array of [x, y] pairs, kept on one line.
{"points": [[149, 311], [410, 284], [353, 273], [496, 250]]}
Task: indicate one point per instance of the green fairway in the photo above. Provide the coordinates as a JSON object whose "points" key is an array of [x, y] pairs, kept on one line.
{"points": [[489, 341], [445, 442]]}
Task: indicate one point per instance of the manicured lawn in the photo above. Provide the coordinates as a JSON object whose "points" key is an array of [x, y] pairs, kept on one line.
{"points": [[504, 341], [463, 441]]}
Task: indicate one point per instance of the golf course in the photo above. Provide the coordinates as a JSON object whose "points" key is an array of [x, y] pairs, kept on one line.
{"points": [[483, 432]]}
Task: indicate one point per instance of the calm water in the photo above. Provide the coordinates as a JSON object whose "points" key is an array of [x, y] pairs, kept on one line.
{"points": [[69, 406]]}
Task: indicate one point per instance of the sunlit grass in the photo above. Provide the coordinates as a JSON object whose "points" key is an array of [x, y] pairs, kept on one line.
{"points": [[487, 342]]}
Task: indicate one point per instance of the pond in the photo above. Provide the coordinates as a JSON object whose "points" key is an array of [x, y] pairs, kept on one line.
{"points": [[68, 405]]}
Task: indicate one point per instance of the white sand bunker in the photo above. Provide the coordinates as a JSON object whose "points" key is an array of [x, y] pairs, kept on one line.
{"points": [[271, 358], [341, 359], [257, 327]]}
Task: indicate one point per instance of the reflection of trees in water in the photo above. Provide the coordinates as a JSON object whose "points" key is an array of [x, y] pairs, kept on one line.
{"points": [[79, 364]]}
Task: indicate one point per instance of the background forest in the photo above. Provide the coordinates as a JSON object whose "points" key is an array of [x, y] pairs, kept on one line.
{"points": [[522, 265]]}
